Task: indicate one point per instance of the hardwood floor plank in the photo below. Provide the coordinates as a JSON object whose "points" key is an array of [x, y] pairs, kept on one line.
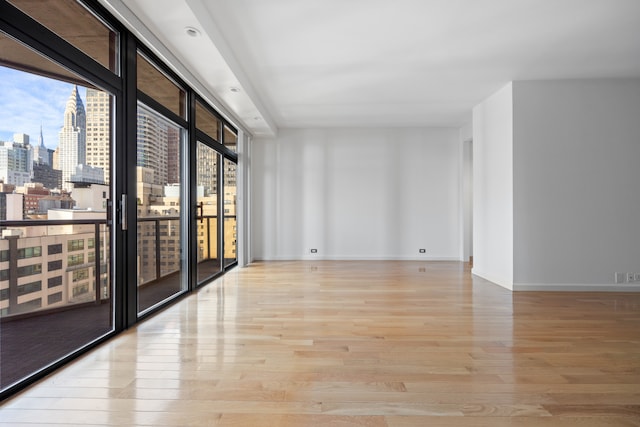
{"points": [[420, 421], [356, 343]]}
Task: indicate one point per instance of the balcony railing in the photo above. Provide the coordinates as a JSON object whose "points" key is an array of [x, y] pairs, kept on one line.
{"points": [[65, 263], [159, 257]]}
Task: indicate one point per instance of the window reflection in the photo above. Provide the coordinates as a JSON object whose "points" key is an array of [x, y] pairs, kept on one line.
{"points": [[158, 206], [207, 214], [159, 87], [74, 23], [230, 139], [207, 122], [230, 222]]}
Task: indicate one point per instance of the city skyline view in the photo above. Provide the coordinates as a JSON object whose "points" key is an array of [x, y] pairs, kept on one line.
{"points": [[30, 101]]}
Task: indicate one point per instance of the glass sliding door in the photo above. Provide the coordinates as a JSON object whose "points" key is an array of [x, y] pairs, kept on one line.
{"points": [[161, 134], [208, 263], [158, 199], [56, 135], [229, 213]]}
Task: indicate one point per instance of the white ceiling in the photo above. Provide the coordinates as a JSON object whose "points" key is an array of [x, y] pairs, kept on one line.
{"points": [[382, 63]]}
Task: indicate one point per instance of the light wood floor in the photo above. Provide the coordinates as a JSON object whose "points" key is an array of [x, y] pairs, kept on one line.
{"points": [[357, 344]]}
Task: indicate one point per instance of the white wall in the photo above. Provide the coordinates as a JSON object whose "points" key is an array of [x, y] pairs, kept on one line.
{"points": [[466, 190], [493, 188], [576, 182], [466, 194], [356, 194], [466, 131]]}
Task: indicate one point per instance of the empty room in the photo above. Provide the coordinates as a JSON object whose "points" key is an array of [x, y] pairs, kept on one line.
{"points": [[320, 213]]}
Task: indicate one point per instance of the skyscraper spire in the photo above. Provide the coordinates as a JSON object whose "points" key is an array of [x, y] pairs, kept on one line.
{"points": [[72, 138], [74, 113], [41, 138]]}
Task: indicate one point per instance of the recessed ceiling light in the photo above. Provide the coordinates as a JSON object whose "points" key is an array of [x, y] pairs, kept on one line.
{"points": [[234, 89], [192, 32]]}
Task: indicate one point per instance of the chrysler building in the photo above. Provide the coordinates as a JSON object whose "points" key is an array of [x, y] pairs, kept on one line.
{"points": [[72, 136]]}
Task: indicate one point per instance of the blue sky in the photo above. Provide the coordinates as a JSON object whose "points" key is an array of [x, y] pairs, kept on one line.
{"points": [[28, 100]]}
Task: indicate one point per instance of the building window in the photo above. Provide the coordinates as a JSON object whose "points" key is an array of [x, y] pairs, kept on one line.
{"points": [[54, 249], [54, 265], [80, 275], [54, 281], [29, 270], [30, 305], [32, 252], [75, 245], [80, 290], [75, 260], [54, 298], [28, 288]]}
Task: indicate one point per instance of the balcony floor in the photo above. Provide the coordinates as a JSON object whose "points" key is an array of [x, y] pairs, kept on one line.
{"points": [[28, 344]]}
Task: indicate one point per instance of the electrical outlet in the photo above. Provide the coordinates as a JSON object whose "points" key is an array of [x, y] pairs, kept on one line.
{"points": [[314, 251], [620, 278], [422, 251], [630, 277], [637, 277]]}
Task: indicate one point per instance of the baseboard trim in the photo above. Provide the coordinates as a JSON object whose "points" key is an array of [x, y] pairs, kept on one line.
{"points": [[574, 287], [351, 258]]}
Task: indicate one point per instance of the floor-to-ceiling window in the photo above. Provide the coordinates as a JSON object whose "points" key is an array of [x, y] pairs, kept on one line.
{"points": [[56, 139], [116, 181], [216, 194], [160, 217], [208, 261], [230, 217], [230, 142]]}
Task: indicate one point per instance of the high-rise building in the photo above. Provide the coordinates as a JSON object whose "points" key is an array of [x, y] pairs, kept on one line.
{"points": [[207, 169], [98, 130], [16, 166], [173, 155], [153, 135], [72, 144]]}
